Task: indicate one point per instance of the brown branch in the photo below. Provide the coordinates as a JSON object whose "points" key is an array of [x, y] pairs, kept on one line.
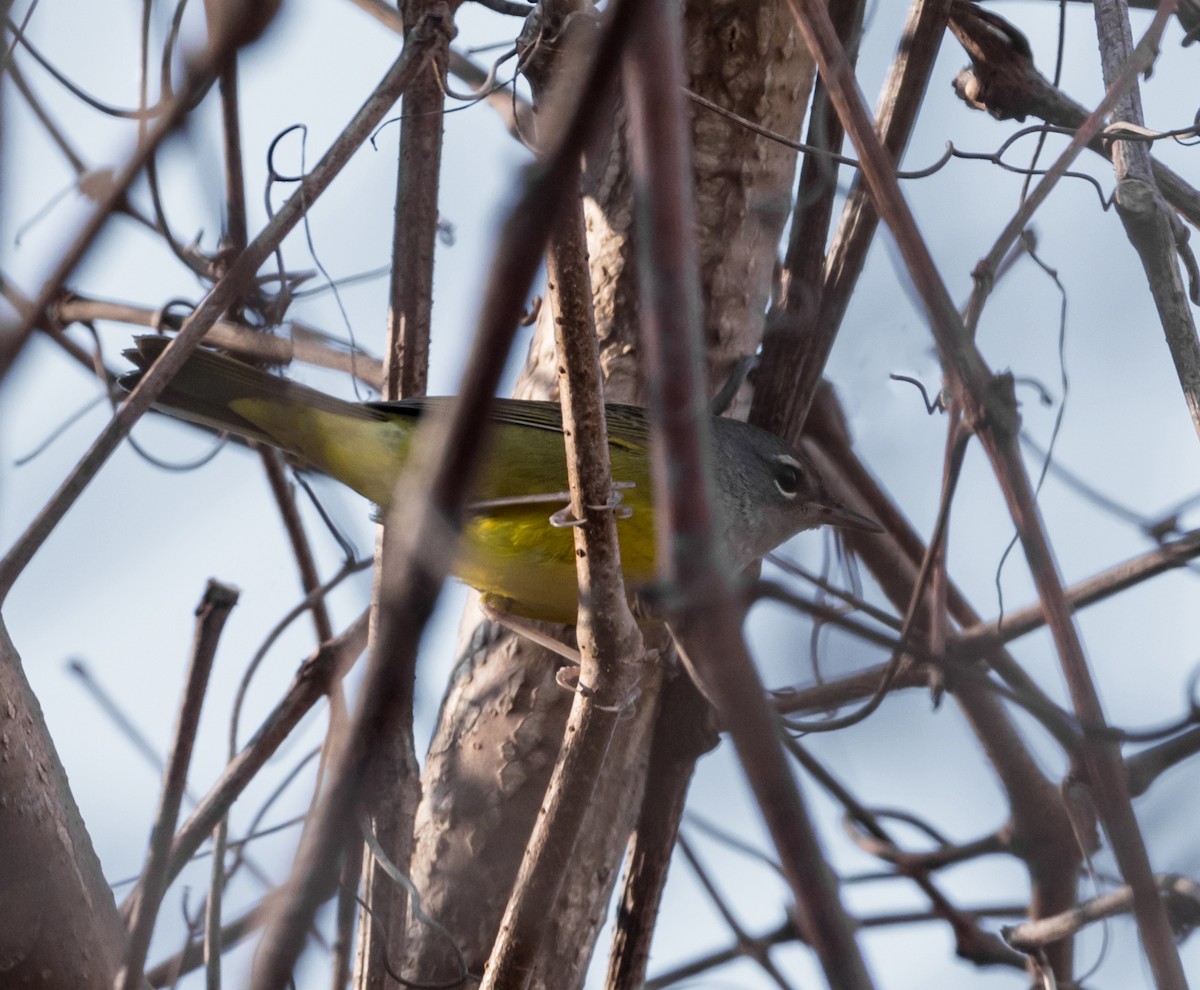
{"points": [[971, 942], [415, 225], [749, 947], [781, 935], [902, 96], [393, 798], [1146, 766], [221, 47], [832, 695], [240, 275], [610, 643], [1040, 825], [49, 326], [893, 558], [293, 525], [312, 681], [88, 181], [214, 609], [709, 624], [343, 954], [1088, 130], [1149, 224], [990, 410], [1180, 895], [982, 638], [1004, 81], [53, 881], [795, 348], [191, 957], [48, 123], [513, 109], [213, 906], [684, 730], [236, 231], [429, 511], [786, 933], [304, 343]]}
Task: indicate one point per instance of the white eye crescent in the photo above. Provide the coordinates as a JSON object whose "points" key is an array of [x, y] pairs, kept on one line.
{"points": [[789, 476]]}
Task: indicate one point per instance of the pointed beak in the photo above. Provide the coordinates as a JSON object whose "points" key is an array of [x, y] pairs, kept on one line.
{"points": [[843, 518]]}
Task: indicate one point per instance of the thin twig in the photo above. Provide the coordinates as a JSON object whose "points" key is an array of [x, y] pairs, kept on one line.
{"points": [[610, 643], [241, 273], [749, 948], [214, 609], [983, 638], [293, 525], [311, 683], [204, 69], [192, 955]]}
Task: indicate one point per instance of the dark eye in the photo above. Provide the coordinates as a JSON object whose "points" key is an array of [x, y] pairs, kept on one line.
{"points": [[788, 477]]}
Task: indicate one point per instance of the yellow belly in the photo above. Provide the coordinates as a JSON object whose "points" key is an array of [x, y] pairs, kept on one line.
{"points": [[516, 555]]}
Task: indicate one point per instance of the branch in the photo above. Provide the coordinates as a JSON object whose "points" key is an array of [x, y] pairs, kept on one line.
{"points": [[191, 957], [312, 682], [684, 730], [983, 637], [989, 407], [1088, 130], [610, 643], [1152, 229], [1004, 81], [708, 625], [52, 877], [396, 791], [303, 343], [211, 614], [802, 359], [1181, 896]]}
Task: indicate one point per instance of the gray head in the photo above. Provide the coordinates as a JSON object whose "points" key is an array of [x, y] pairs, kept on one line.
{"points": [[768, 492]]}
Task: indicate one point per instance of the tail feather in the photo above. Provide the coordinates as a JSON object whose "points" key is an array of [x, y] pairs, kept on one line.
{"points": [[208, 385], [225, 394]]}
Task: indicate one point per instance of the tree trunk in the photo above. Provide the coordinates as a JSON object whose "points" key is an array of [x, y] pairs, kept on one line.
{"points": [[59, 928]]}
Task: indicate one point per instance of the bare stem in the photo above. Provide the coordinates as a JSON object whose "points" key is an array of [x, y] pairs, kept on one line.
{"points": [[214, 609], [610, 643]]}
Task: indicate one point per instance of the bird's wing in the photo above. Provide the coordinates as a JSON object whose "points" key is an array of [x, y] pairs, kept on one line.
{"points": [[627, 426]]}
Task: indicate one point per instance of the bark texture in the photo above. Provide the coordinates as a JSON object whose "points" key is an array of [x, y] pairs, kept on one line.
{"points": [[59, 928]]}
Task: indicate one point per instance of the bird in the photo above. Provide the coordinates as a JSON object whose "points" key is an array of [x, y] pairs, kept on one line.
{"points": [[516, 549]]}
